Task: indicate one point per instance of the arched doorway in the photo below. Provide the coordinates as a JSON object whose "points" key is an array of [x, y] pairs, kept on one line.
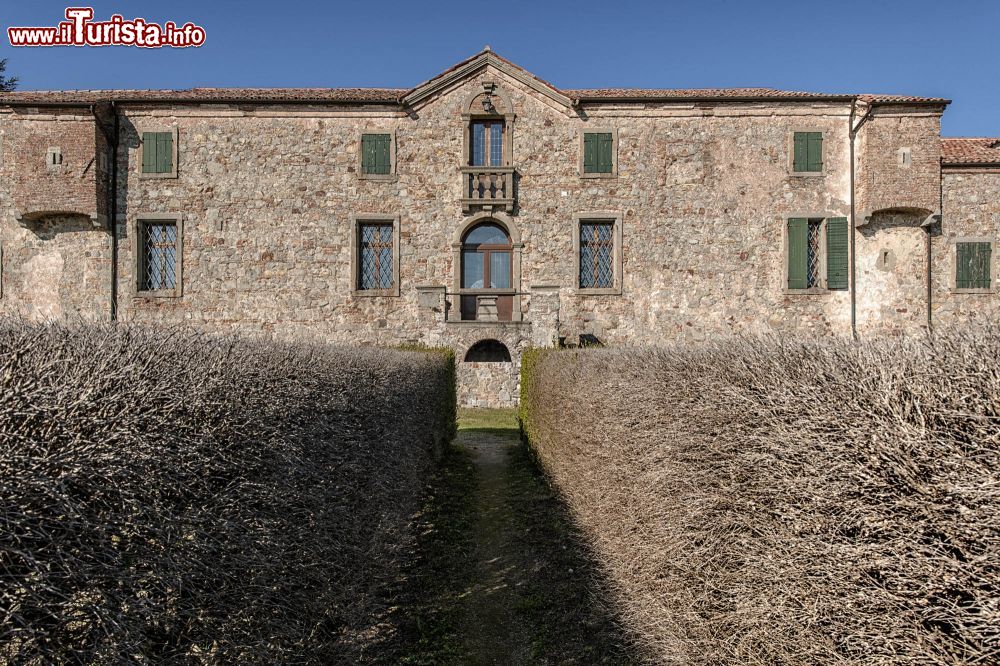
{"points": [[487, 266]]}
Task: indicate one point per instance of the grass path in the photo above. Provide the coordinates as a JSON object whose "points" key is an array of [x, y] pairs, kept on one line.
{"points": [[499, 577]]}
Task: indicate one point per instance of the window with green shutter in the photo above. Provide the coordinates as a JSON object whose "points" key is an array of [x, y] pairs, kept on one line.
{"points": [[807, 152], [973, 265], [598, 152], [376, 154], [157, 152], [805, 253]]}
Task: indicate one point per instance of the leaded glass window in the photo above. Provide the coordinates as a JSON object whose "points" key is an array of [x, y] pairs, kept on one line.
{"points": [[376, 255], [597, 255], [487, 143], [158, 268]]}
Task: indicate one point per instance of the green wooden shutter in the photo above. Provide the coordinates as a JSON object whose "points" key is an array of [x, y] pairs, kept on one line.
{"points": [[382, 153], [367, 153], [590, 151], [800, 154], [604, 153], [814, 143], [164, 152], [836, 253], [798, 262], [972, 263], [149, 152]]}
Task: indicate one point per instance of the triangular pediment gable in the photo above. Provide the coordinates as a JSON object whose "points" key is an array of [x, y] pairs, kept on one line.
{"points": [[467, 68]]}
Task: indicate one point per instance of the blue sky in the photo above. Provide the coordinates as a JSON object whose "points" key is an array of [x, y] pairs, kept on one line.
{"points": [[918, 47]]}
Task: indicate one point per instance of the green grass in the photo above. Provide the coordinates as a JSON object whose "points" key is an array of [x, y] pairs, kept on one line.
{"points": [[499, 421]]}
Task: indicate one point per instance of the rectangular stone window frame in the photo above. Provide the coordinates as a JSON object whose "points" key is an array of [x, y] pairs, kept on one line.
{"points": [[613, 131], [357, 219], [791, 153], [138, 157], [994, 272], [392, 176], [137, 255], [811, 291], [608, 217]]}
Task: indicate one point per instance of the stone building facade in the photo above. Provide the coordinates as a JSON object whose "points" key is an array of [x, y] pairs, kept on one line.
{"points": [[489, 211]]}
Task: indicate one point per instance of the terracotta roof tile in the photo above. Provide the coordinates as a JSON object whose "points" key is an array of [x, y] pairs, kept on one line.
{"points": [[966, 150], [394, 95], [320, 95]]}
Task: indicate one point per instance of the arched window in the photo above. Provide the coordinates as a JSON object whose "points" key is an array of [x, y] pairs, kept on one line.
{"points": [[488, 351], [486, 258], [487, 266]]}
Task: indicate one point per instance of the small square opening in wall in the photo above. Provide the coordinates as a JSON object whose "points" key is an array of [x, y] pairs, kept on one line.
{"points": [[53, 156], [905, 157]]}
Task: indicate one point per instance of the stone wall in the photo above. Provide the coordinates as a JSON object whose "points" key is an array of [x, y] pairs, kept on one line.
{"points": [[266, 195], [971, 210]]}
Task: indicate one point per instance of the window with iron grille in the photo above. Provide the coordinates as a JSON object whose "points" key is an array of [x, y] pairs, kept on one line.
{"points": [[375, 252], [973, 268], [159, 255], [597, 248], [817, 253]]}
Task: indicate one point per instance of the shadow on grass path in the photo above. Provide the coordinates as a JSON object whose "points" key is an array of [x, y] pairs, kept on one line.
{"points": [[500, 577]]}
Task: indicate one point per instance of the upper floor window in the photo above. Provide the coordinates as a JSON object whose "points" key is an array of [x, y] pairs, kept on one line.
{"points": [[487, 143], [158, 154], [378, 155], [817, 254], [599, 153], [807, 152], [158, 265], [973, 266]]}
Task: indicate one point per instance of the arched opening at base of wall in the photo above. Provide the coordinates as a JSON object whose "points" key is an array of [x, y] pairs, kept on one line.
{"points": [[488, 351]]}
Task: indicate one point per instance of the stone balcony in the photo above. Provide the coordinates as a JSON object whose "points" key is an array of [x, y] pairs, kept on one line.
{"points": [[489, 188]]}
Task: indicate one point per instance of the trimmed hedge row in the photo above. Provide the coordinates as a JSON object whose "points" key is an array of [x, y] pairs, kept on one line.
{"points": [[777, 502], [166, 496]]}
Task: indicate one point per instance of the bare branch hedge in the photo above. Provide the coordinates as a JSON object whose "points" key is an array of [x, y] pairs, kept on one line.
{"points": [[772, 502], [166, 496]]}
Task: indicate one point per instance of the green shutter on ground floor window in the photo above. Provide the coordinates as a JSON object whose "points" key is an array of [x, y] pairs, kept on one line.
{"points": [[973, 265], [836, 253], [590, 151], [798, 261]]}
